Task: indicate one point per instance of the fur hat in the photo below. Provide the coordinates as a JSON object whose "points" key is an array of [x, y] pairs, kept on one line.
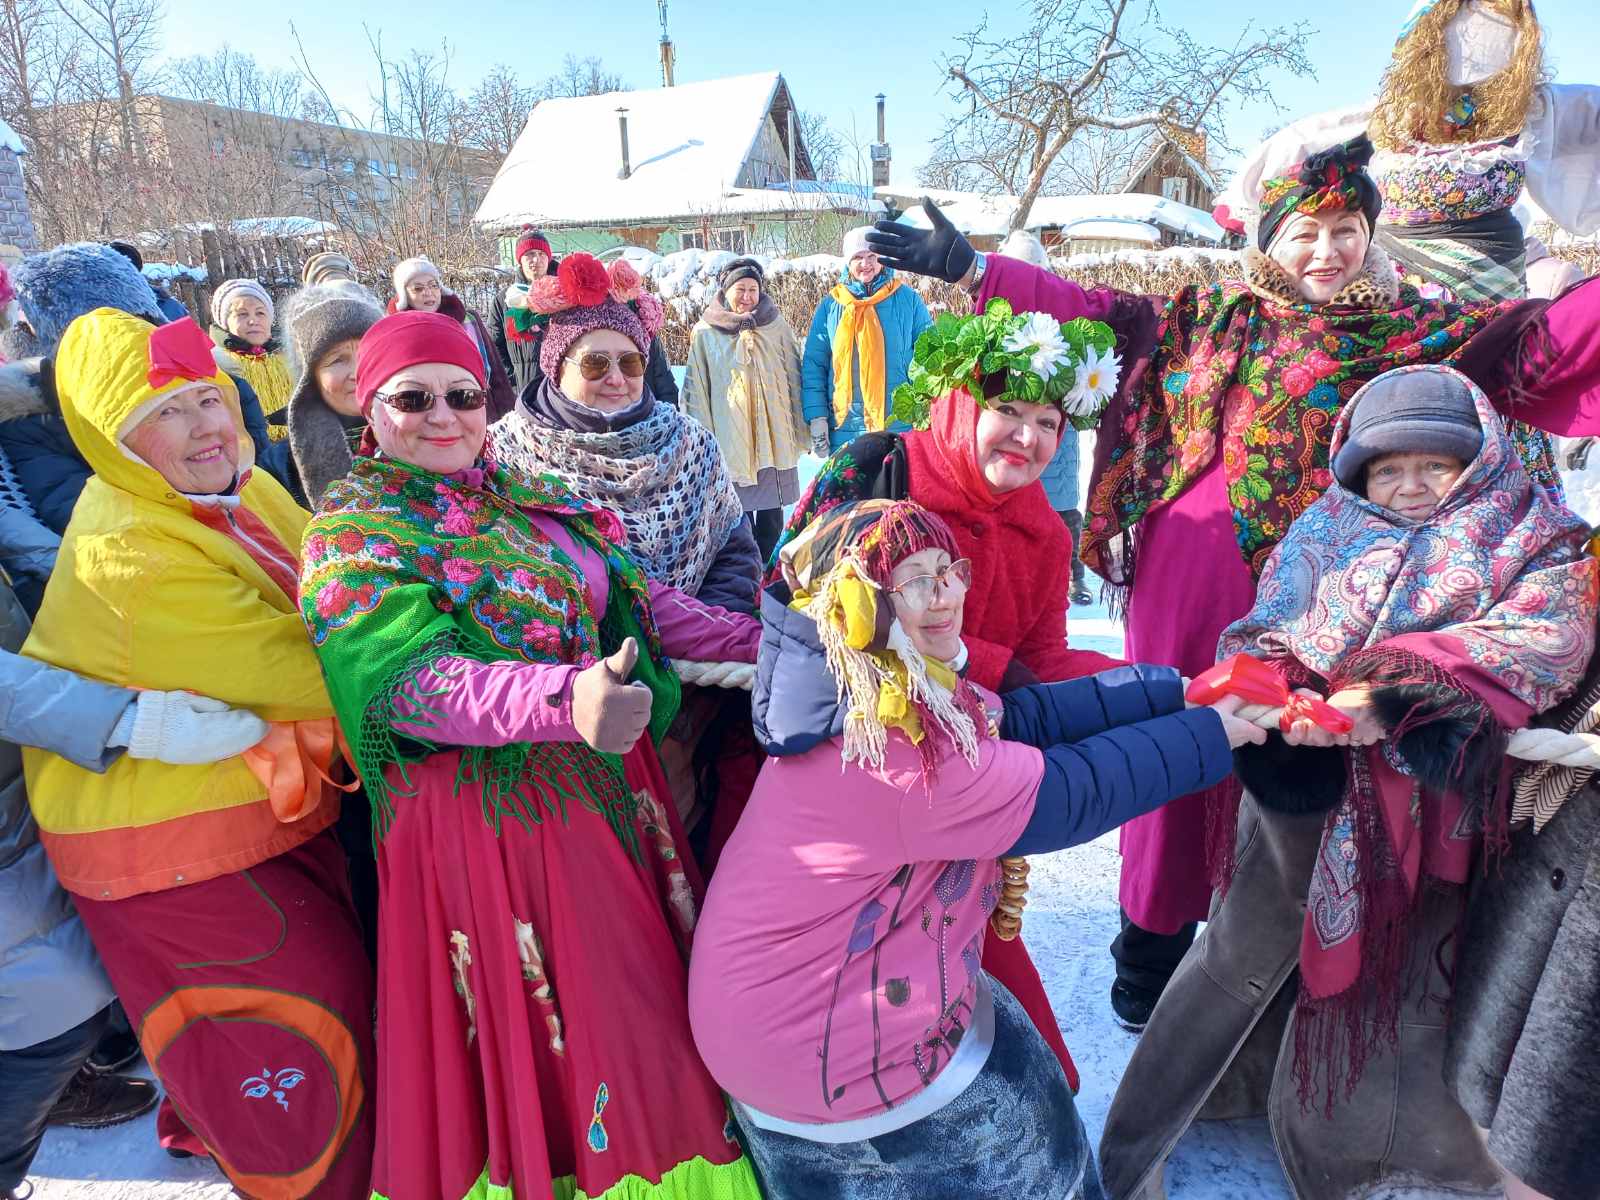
{"points": [[230, 290], [328, 262], [315, 319], [1430, 410], [59, 285], [409, 270]]}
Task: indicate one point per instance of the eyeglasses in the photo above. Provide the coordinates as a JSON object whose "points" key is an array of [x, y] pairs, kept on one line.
{"points": [[920, 591], [595, 366], [415, 400]]}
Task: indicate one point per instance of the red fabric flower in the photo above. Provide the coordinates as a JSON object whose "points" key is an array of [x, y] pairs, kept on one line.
{"points": [[180, 350], [583, 279]]}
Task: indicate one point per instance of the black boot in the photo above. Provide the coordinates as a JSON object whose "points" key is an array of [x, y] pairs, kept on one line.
{"points": [[117, 1048], [94, 1101]]}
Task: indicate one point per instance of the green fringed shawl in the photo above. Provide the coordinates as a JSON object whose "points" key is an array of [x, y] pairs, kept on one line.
{"points": [[403, 566]]}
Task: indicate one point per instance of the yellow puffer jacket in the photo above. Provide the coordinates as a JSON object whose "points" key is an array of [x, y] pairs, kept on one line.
{"points": [[148, 595]]}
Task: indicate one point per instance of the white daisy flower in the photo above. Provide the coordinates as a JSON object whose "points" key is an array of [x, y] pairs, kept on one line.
{"points": [[1040, 335], [1096, 382]]}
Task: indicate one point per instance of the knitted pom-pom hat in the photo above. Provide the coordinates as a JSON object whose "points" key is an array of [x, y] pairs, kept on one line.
{"points": [[583, 296]]}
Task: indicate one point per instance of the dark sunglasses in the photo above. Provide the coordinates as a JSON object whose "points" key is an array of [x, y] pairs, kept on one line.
{"points": [[415, 400], [595, 366]]}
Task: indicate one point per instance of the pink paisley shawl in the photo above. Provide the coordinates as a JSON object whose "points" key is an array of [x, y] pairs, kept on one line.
{"points": [[1492, 595]]}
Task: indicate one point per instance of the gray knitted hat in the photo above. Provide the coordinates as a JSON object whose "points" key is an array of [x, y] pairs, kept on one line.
{"points": [[1414, 410], [328, 262], [315, 319]]}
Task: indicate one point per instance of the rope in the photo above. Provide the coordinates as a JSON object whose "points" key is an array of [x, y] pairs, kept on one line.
{"points": [[717, 674], [1532, 745]]}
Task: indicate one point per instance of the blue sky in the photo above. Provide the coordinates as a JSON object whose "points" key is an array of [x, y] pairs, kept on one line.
{"points": [[836, 54]]}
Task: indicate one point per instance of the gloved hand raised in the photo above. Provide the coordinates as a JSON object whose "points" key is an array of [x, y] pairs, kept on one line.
{"points": [[608, 712], [941, 251], [183, 729]]}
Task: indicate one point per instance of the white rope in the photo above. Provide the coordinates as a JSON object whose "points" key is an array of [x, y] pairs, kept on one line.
{"points": [[1532, 745], [717, 674]]}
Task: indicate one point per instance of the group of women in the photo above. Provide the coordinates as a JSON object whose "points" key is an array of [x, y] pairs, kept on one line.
{"points": [[474, 642]]}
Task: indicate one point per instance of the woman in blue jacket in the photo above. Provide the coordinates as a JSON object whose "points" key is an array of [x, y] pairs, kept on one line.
{"points": [[859, 349]]}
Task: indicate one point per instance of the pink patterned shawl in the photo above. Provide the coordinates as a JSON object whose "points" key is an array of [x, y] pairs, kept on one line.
{"points": [[1491, 597]]}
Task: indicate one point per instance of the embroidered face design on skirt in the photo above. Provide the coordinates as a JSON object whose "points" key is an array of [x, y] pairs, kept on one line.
{"points": [[276, 1084]]}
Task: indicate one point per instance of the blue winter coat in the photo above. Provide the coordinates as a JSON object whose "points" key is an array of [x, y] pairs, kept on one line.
{"points": [[50, 977], [1060, 477], [1116, 745], [903, 316]]}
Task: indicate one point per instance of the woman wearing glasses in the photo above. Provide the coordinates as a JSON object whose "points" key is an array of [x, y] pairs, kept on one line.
{"points": [[593, 423], [836, 990], [498, 666]]}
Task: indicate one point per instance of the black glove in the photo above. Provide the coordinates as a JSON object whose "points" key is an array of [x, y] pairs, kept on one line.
{"points": [[941, 251]]}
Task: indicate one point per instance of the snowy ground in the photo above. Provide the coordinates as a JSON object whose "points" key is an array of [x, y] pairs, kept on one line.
{"points": [[1071, 919]]}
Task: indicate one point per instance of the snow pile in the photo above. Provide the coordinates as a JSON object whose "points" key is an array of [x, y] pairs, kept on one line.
{"points": [[1177, 257], [160, 272], [688, 278], [990, 216], [10, 141]]}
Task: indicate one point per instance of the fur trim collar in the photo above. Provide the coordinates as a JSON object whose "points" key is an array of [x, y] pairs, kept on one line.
{"points": [[22, 390], [1376, 287]]}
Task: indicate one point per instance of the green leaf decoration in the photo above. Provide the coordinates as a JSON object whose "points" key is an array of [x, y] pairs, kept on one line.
{"points": [[955, 352]]}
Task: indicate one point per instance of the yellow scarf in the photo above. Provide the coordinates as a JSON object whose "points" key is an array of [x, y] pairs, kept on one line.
{"points": [[860, 333]]}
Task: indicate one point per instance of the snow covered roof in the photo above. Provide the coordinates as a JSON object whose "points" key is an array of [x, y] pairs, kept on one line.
{"points": [[990, 216], [9, 139], [688, 149], [1206, 178], [257, 227], [1111, 229]]}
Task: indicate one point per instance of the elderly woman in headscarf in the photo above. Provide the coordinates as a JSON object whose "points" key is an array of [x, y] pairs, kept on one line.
{"points": [[1217, 438], [215, 893], [976, 461], [743, 384], [498, 664], [242, 317], [868, 1053], [858, 350]]}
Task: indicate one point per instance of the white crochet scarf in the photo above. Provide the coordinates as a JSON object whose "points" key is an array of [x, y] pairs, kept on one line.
{"points": [[664, 477]]}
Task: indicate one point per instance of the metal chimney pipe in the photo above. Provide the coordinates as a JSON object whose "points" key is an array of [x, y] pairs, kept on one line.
{"points": [[622, 125], [791, 146], [881, 138]]}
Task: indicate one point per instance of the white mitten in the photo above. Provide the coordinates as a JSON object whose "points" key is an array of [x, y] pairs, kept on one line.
{"points": [[820, 445], [184, 729]]}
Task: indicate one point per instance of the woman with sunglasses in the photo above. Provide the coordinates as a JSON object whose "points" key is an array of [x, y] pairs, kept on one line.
{"points": [[498, 666], [836, 991], [594, 423]]}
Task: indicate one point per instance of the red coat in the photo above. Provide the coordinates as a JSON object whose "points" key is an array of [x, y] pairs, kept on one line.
{"points": [[1020, 550]]}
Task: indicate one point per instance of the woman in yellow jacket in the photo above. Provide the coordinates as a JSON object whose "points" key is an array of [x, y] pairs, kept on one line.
{"points": [[215, 893], [242, 316]]}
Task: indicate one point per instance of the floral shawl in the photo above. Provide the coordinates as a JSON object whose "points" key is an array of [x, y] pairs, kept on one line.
{"points": [[402, 566], [1491, 600], [1250, 367]]}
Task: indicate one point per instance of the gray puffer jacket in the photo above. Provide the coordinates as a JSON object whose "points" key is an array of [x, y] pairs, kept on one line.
{"points": [[50, 976]]}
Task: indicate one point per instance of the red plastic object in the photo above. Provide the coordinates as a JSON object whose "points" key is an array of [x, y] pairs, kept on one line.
{"points": [[1254, 682]]}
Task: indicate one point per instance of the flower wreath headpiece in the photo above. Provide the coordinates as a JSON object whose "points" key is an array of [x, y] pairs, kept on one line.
{"points": [[583, 282], [1001, 356]]}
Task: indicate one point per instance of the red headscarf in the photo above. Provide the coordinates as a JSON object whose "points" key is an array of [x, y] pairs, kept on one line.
{"points": [[407, 339]]}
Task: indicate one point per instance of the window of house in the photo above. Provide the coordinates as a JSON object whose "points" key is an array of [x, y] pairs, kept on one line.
{"points": [[692, 240], [728, 239], [348, 166], [300, 156], [394, 170], [374, 166], [1175, 187]]}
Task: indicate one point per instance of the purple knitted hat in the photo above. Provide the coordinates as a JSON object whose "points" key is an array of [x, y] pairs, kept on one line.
{"points": [[567, 327]]}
